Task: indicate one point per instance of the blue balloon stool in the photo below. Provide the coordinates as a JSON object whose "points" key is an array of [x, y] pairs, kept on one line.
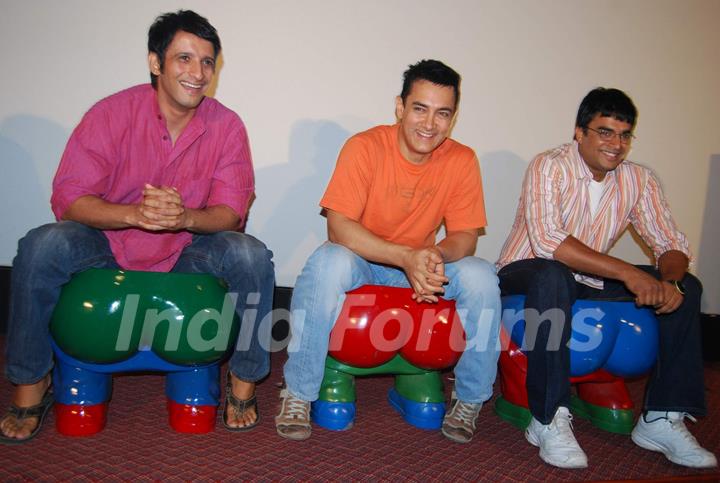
{"points": [[610, 341]]}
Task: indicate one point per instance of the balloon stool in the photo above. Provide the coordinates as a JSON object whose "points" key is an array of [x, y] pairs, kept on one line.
{"points": [[109, 321]]}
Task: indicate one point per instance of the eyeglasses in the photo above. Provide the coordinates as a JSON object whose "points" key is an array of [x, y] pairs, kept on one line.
{"points": [[609, 135]]}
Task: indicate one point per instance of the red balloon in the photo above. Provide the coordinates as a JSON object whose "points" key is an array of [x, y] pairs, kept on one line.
{"points": [[377, 322], [439, 338]]}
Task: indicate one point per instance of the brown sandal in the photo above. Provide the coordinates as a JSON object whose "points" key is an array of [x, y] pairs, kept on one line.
{"points": [[239, 406], [38, 411]]}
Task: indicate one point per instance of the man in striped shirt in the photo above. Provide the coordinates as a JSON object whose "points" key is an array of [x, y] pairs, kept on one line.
{"points": [[575, 203]]}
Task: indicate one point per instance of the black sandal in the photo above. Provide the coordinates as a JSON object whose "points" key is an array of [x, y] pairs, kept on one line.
{"points": [[239, 406], [38, 411]]}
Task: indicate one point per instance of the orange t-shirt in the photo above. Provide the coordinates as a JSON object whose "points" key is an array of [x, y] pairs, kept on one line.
{"points": [[402, 202]]}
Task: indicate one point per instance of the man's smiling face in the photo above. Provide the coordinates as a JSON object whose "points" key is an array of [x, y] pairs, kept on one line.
{"points": [[425, 119], [603, 155], [186, 73]]}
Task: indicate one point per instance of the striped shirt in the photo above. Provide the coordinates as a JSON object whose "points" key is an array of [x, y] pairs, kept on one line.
{"points": [[555, 203]]}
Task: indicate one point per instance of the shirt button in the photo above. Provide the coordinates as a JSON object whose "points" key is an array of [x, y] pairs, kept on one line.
{"points": [[164, 138], [159, 117]]}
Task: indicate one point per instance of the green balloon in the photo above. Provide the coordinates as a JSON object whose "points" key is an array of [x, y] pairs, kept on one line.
{"points": [[108, 315]]}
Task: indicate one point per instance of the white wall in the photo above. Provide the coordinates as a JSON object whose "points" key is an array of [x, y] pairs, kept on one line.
{"points": [[305, 75]]}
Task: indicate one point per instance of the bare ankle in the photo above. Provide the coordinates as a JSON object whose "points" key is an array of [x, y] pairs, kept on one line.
{"points": [[242, 389], [27, 395]]}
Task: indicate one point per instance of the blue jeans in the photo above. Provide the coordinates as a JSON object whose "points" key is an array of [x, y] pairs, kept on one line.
{"points": [[333, 270], [48, 257]]}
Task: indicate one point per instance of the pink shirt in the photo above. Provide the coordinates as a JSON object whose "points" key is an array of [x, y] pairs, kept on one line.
{"points": [[122, 143], [555, 203]]}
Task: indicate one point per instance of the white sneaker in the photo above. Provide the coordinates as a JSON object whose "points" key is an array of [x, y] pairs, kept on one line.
{"points": [[558, 446], [666, 433]]}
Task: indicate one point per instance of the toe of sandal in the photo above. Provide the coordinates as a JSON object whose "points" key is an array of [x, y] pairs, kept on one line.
{"points": [[38, 411], [239, 407]]}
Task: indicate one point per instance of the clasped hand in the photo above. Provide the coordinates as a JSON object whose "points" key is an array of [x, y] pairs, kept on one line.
{"points": [[161, 209], [649, 291], [425, 270]]}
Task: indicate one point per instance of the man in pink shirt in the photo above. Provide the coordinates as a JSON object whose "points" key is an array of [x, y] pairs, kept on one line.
{"points": [[576, 201], [157, 177]]}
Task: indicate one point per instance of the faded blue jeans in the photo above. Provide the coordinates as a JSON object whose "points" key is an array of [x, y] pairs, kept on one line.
{"points": [[332, 270], [48, 257]]}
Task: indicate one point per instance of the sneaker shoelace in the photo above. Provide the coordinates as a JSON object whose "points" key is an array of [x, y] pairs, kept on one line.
{"points": [[295, 408], [678, 425], [562, 426], [465, 413]]}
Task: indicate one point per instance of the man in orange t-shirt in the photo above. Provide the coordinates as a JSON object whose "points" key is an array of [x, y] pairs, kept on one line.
{"points": [[392, 188]]}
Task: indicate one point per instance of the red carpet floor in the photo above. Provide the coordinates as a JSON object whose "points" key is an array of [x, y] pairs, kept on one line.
{"points": [[138, 445]]}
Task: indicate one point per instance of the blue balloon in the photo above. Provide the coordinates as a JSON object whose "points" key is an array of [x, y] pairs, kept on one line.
{"points": [[616, 336]]}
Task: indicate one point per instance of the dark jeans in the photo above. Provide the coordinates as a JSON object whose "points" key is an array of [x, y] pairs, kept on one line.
{"points": [[48, 257], [676, 382]]}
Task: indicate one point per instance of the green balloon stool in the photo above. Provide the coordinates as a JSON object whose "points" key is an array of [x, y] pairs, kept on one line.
{"points": [[109, 321]]}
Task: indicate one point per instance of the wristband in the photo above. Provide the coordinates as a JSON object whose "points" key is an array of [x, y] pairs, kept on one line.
{"points": [[678, 286]]}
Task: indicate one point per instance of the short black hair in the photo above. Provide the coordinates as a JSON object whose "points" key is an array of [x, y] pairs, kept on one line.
{"points": [[607, 102], [433, 71], [163, 30]]}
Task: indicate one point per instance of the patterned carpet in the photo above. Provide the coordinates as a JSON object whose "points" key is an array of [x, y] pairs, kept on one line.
{"points": [[138, 445]]}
